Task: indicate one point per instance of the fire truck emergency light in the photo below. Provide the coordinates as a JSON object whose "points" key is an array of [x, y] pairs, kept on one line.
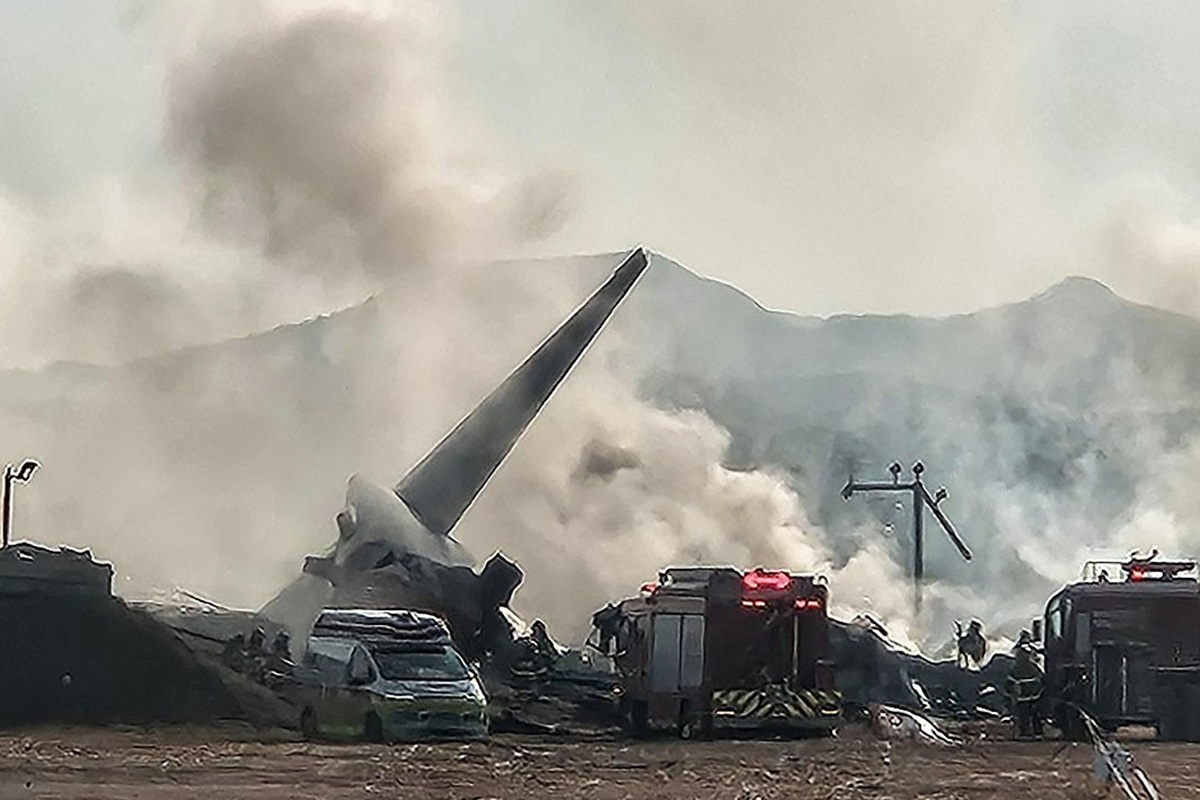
{"points": [[758, 579], [1146, 570]]}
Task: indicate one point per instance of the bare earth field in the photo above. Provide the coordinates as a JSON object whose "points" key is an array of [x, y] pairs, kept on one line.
{"points": [[207, 765]]}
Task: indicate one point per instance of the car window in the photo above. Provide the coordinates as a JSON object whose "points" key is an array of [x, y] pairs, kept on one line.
{"points": [[359, 670], [1054, 621], [444, 664]]}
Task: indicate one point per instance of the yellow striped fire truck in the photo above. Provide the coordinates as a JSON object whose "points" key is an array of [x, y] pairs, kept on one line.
{"points": [[712, 648]]}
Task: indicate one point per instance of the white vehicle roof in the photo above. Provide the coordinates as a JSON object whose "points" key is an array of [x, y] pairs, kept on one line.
{"points": [[382, 625]]}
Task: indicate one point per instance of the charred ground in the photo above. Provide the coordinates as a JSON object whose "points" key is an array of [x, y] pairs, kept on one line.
{"points": [[176, 764]]}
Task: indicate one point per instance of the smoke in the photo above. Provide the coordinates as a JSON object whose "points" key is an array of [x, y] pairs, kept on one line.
{"points": [[307, 163], [605, 490], [1150, 238], [309, 156], [319, 145]]}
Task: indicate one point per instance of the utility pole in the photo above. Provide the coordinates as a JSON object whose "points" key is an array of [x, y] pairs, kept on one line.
{"points": [[21, 475], [921, 500]]}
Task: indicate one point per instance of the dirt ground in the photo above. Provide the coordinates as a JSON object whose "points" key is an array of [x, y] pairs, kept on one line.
{"points": [[208, 765]]}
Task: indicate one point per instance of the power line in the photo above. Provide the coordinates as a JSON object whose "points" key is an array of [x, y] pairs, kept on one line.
{"points": [[921, 500]]}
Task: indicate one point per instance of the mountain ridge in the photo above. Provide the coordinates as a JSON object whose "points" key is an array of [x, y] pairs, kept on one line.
{"points": [[1070, 289]]}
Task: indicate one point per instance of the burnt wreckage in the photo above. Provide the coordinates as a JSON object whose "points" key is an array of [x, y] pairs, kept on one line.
{"points": [[394, 547]]}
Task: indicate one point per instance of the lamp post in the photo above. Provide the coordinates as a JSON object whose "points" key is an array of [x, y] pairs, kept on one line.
{"points": [[21, 475], [921, 500]]}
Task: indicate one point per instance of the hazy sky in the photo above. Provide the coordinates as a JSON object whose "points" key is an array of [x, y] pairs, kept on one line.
{"points": [[823, 156]]}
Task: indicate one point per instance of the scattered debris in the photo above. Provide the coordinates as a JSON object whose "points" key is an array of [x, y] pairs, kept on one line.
{"points": [[889, 723], [1113, 764], [27, 569], [873, 669]]}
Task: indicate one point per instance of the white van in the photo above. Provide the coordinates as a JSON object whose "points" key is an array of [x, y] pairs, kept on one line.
{"points": [[386, 676]]}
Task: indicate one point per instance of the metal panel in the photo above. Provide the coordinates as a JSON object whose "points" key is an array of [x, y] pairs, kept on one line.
{"points": [[691, 667], [1108, 681], [1083, 635], [664, 657], [1138, 697]]}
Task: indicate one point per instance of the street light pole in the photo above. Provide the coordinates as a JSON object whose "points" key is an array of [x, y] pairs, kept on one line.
{"points": [[8, 480], [21, 475], [920, 501]]}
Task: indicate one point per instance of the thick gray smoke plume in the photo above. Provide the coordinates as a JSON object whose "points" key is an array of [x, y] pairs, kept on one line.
{"points": [[316, 168], [319, 145]]}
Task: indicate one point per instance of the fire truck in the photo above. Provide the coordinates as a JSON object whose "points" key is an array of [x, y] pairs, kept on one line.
{"points": [[714, 648], [1124, 646]]}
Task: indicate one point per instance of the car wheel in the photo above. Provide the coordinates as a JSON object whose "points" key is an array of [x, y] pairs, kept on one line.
{"points": [[308, 724], [373, 728]]}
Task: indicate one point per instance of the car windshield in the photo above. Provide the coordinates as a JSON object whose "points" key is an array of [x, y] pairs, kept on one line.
{"points": [[443, 665]]}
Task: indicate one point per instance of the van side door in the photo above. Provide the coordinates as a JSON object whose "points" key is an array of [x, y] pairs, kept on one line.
{"points": [[359, 689], [330, 661]]}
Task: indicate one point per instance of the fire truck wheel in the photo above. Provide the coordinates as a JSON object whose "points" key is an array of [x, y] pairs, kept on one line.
{"points": [[1174, 712], [692, 725], [636, 719], [1071, 725], [1191, 712], [687, 725]]}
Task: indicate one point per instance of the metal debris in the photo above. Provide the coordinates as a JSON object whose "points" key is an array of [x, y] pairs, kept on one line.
{"points": [[897, 724], [1113, 764]]}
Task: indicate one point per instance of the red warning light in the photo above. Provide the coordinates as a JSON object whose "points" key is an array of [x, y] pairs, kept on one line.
{"points": [[649, 589], [758, 580], [808, 604], [1137, 575]]}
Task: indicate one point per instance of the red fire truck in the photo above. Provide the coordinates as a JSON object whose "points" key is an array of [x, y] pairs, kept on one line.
{"points": [[706, 648], [1124, 645]]}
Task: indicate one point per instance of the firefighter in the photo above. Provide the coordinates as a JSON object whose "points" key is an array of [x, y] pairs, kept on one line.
{"points": [[546, 650], [534, 653], [972, 647], [234, 652], [256, 655], [281, 647], [279, 662], [1024, 685], [607, 622]]}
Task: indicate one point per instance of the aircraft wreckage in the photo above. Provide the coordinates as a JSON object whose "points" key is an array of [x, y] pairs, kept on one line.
{"points": [[395, 550], [394, 547]]}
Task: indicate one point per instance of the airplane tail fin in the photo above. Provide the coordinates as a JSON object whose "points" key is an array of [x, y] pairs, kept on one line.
{"points": [[440, 488]]}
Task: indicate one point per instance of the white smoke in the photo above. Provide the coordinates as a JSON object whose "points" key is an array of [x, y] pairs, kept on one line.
{"points": [[308, 162]]}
